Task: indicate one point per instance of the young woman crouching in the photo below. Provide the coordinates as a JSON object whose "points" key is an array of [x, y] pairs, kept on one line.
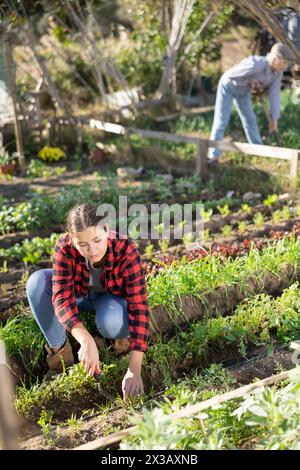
{"points": [[96, 270]]}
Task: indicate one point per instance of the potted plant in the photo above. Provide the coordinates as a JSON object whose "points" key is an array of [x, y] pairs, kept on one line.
{"points": [[7, 165]]}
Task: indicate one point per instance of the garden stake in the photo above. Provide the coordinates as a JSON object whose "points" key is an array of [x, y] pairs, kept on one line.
{"points": [[102, 392]]}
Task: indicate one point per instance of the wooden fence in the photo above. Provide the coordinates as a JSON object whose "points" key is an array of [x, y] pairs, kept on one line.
{"points": [[201, 143]]}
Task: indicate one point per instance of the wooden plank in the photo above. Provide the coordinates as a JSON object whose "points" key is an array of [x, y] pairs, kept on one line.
{"points": [[190, 410], [201, 159], [267, 151], [281, 153], [107, 126], [121, 130], [294, 171], [295, 345]]}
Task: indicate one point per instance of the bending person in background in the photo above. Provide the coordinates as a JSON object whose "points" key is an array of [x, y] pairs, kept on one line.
{"points": [[255, 73]]}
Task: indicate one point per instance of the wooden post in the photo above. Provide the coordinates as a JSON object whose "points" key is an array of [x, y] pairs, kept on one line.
{"points": [[38, 115], [59, 132], [79, 136], [12, 92], [201, 161], [50, 132], [294, 171]]}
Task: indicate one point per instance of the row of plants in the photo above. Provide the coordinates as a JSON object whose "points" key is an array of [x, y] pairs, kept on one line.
{"points": [[157, 262], [200, 277], [268, 419], [44, 210], [260, 321], [30, 251], [228, 226]]}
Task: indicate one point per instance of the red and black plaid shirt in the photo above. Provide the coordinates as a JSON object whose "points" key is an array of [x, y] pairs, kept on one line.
{"points": [[122, 274]]}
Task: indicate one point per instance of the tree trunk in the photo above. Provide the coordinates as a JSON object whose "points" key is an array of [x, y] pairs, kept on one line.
{"points": [[181, 14], [266, 18], [50, 84], [12, 92]]}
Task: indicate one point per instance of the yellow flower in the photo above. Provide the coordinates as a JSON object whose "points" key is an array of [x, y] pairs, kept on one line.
{"points": [[51, 153]]}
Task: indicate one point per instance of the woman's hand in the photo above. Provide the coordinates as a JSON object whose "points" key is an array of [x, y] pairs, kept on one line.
{"points": [[132, 384], [88, 353], [273, 126], [89, 356]]}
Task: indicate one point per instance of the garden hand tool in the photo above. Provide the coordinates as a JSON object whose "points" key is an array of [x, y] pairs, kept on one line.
{"points": [[102, 392]]}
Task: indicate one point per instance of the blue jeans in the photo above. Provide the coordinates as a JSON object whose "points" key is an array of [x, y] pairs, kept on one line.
{"points": [[227, 94], [111, 310]]}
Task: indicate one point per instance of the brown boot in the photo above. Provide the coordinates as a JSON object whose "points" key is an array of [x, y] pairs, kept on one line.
{"points": [[62, 359], [121, 346], [100, 342]]}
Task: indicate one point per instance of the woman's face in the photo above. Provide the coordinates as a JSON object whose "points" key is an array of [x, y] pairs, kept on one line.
{"points": [[92, 242], [280, 65]]}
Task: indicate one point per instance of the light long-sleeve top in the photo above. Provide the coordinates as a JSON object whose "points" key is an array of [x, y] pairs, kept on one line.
{"points": [[257, 68]]}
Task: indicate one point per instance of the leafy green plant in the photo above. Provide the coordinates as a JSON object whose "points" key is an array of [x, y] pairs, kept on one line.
{"points": [[5, 158], [224, 210], [227, 230], [149, 250], [255, 321], [206, 214], [44, 421], [188, 238], [163, 244], [285, 213], [242, 226], [259, 220], [245, 209], [31, 251], [24, 340], [37, 169], [277, 413], [271, 200], [277, 216]]}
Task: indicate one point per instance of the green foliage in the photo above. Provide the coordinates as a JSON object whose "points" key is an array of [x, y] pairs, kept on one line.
{"points": [[245, 209], [37, 169], [162, 356], [256, 321], [271, 200], [269, 417], [224, 210], [277, 413], [202, 276], [259, 220], [42, 210], [142, 64], [45, 422], [66, 386], [30, 251], [227, 230], [23, 340], [242, 226]]}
